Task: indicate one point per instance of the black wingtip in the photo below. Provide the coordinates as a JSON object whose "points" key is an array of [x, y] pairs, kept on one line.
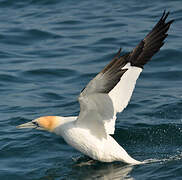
{"points": [[165, 16], [151, 43], [171, 21], [119, 52]]}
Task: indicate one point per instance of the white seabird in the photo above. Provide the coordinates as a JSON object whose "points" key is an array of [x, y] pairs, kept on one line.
{"points": [[104, 96]]}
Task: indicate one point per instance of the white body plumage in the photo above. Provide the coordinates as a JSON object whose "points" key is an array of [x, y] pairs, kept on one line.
{"points": [[105, 150]]}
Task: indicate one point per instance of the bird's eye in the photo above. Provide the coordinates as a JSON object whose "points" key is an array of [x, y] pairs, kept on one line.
{"points": [[35, 123]]}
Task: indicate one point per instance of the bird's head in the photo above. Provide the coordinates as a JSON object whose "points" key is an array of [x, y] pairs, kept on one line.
{"points": [[48, 123]]}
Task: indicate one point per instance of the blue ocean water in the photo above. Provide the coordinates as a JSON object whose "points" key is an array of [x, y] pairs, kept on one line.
{"points": [[49, 51]]}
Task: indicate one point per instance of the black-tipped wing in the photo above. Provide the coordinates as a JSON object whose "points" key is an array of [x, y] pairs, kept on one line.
{"points": [[107, 79], [151, 44], [110, 91]]}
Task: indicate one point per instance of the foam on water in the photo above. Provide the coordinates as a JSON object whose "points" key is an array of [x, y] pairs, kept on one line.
{"points": [[176, 157]]}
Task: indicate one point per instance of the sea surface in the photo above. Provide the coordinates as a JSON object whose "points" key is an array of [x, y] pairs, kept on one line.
{"points": [[50, 49]]}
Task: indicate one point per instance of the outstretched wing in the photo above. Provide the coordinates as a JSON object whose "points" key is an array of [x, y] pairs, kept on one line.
{"points": [[110, 91]]}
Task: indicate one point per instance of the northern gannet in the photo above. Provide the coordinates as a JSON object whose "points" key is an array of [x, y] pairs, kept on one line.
{"points": [[103, 97]]}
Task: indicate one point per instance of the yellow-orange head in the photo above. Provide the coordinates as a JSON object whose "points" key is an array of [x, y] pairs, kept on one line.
{"points": [[48, 123]]}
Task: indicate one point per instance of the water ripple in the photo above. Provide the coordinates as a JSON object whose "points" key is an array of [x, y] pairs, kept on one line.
{"points": [[49, 52]]}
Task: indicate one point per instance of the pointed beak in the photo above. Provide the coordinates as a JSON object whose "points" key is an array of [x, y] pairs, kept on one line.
{"points": [[28, 125]]}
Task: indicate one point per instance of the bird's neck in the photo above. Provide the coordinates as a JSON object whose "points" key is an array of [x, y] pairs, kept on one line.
{"points": [[63, 123]]}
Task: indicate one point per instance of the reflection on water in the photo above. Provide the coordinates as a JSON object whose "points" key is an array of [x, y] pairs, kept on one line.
{"points": [[83, 169], [111, 171], [99, 171]]}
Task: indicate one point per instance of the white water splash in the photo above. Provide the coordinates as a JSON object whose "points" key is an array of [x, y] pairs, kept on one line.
{"points": [[171, 158]]}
